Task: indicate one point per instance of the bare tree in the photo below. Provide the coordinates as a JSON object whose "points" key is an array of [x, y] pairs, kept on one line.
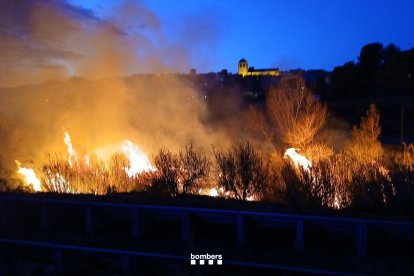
{"points": [[295, 113], [193, 168], [242, 171]]}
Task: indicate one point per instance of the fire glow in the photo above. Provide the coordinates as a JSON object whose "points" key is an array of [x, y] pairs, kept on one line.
{"points": [[138, 163], [72, 156], [30, 177], [298, 159]]}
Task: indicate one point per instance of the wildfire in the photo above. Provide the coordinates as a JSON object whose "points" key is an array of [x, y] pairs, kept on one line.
{"points": [[138, 160], [71, 151], [57, 183], [30, 177], [298, 160]]}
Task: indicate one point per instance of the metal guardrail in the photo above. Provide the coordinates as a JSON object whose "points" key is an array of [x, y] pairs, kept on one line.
{"points": [[358, 226], [125, 254], [232, 213]]}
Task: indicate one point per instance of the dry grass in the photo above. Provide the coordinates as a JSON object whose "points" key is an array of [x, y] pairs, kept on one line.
{"points": [[97, 178], [334, 181]]}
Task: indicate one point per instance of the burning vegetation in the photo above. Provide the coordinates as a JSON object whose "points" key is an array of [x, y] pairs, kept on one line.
{"points": [[166, 133], [292, 165]]}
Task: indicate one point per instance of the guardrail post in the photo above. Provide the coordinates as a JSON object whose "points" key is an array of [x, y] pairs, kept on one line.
{"points": [[136, 221], [362, 240], [240, 230], [88, 219], [43, 216], [300, 243], [126, 267], [58, 258], [187, 233]]}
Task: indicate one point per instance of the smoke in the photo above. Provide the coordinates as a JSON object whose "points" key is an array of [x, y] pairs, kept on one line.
{"points": [[45, 44]]}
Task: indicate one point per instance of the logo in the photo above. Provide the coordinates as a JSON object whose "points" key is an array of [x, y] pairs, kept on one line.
{"points": [[206, 259]]}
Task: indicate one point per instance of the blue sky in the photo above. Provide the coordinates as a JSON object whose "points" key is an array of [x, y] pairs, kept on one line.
{"points": [[286, 34]]}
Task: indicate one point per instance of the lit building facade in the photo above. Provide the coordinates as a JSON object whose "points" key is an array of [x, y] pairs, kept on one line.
{"points": [[245, 70]]}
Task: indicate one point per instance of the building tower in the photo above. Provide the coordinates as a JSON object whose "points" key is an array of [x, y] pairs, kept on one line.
{"points": [[243, 67]]}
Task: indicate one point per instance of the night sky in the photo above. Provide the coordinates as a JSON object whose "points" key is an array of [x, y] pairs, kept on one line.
{"points": [[54, 39], [286, 34]]}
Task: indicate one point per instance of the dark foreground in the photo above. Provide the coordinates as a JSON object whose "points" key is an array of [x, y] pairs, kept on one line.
{"points": [[136, 234]]}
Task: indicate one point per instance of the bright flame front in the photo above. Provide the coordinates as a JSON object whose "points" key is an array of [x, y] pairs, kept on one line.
{"points": [[298, 159], [30, 177], [72, 156], [138, 161], [213, 192]]}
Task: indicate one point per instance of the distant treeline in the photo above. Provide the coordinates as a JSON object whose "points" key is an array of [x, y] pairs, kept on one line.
{"points": [[380, 71]]}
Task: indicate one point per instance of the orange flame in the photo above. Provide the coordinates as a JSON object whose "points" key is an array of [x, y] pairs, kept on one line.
{"points": [[30, 177], [298, 159], [71, 151], [137, 159]]}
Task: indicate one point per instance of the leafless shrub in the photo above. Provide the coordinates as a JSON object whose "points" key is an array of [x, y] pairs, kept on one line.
{"points": [[165, 179], [194, 167], [242, 171], [179, 173]]}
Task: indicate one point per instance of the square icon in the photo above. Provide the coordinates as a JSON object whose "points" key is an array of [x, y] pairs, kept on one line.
{"points": [[219, 262], [210, 262], [193, 262], [202, 262]]}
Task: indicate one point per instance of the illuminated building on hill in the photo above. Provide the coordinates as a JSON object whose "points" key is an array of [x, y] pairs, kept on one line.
{"points": [[244, 70]]}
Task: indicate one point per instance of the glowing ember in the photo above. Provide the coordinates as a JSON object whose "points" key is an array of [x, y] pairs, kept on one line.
{"points": [[137, 159], [30, 177], [71, 152], [298, 160]]}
